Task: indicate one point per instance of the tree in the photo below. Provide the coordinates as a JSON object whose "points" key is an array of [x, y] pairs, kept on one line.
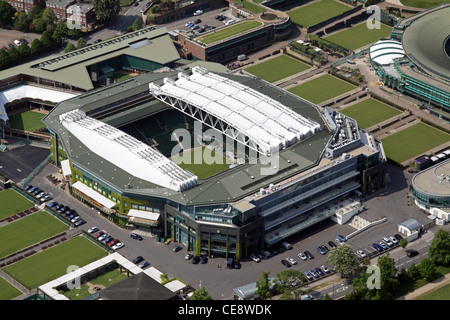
{"points": [[167, 6], [288, 283], [4, 59], [403, 243], [61, 28], [22, 22], [49, 15], [14, 55], [263, 286], [36, 46], [106, 10], [35, 13], [414, 272], [39, 25], [81, 43], [24, 50], [201, 294], [47, 40], [7, 12], [70, 47], [57, 38], [344, 260], [137, 24], [427, 269], [440, 248], [388, 282]]}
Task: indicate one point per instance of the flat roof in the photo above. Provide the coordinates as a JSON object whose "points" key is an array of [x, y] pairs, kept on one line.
{"points": [[434, 181], [423, 41]]}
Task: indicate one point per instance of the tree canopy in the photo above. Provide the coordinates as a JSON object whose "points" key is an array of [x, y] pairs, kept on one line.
{"points": [[106, 10], [344, 260]]}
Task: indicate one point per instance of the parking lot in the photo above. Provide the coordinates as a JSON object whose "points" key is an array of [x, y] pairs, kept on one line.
{"points": [[214, 274]]}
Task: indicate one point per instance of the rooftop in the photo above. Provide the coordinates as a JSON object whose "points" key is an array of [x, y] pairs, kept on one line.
{"points": [[434, 181]]}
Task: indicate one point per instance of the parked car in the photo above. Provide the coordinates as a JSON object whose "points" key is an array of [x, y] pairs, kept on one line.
{"points": [[177, 248], [387, 241], [46, 198], [285, 263], [53, 204], [314, 273], [309, 255], [332, 244], [320, 250], [203, 259], [398, 237], [412, 253], [198, 12], [393, 240], [28, 187], [319, 271], [302, 256], [188, 256], [361, 253], [254, 257], [74, 219], [383, 245], [137, 259], [103, 236], [79, 222], [325, 269], [168, 240], [341, 238], [136, 236], [143, 264], [118, 246], [377, 247], [195, 260], [197, 21], [17, 42], [113, 242], [98, 235], [291, 260], [307, 275], [93, 229]]}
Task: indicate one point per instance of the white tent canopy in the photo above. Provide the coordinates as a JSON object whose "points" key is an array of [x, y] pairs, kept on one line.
{"points": [[384, 52], [91, 193]]}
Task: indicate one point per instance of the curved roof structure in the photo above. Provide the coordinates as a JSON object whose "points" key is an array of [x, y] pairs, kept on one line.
{"points": [[269, 125], [424, 42], [126, 152], [384, 52]]}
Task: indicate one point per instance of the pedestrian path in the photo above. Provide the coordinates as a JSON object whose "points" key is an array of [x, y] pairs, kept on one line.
{"points": [[427, 288]]}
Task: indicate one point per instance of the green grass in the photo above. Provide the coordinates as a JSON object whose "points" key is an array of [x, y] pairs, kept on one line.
{"points": [[229, 31], [369, 112], [278, 68], [422, 3], [315, 12], [413, 141], [12, 202], [28, 121], [107, 279], [54, 262], [26, 231], [204, 169], [442, 293], [121, 76], [252, 7], [359, 36], [322, 88], [7, 291]]}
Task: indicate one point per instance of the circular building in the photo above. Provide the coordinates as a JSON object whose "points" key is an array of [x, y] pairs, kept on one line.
{"points": [[431, 189], [426, 42]]}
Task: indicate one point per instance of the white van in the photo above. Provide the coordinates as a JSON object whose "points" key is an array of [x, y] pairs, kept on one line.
{"points": [[229, 21], [286, 245]]}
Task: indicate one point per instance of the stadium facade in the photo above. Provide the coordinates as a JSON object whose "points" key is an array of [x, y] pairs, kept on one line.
{"points": [[416, 60], [292, 164], [118, 140]]}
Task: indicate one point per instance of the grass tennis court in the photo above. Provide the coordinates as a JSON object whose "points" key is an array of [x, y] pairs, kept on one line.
{"points": [[208, 166], [359, 36], [413, 141], [278, 68], [369, 112], [317, 11], [54, 262], [229, 31], [12, 202], [7, 291], [322, 88], [24, 232], [28, 121]]}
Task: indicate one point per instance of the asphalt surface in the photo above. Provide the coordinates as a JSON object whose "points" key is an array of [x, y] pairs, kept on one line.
{"points": [[220, 281]]}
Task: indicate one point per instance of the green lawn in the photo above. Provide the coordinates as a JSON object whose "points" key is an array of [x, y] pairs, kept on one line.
{"points": [[359, 36], [28, 121], [210, 163], [12, 202], [26, 231], [229, 31], [54, 262], [278, 68], [317, 11], [442, 293], [422, 3], [369, 112], [413, 141], [7, 291], [322, 88]]}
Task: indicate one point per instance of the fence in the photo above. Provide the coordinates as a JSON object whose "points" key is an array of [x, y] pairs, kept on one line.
{"points": [[36, 170]]}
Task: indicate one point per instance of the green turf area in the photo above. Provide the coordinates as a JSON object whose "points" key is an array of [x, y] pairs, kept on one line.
{"points": [[12, 202], [277, 68], [28, 121], [252, 7], [107, 279], [26, 231], [359, 36], [413, 141], [210, 162], [423, 3], [229, 31], [322, 88], [317, 11], [7, 291], [54, 262], [369, 112], [442, 293]]}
